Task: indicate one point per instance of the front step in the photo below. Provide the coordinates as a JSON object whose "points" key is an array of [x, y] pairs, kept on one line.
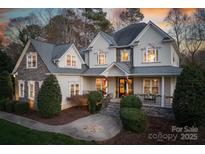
{"points": [[112, 109]]}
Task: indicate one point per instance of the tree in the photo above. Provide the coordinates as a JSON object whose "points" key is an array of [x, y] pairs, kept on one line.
{"points": [[13, 50], [193, 36], [131, 15], [6, 64], [49, 97], [189, 96], [176, 19], [6, 88], [29, 32]]}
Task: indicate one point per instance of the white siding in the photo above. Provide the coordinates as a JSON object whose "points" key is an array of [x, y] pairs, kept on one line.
{"points": [[174, 57], [101, 44], [152, 38], [64, 85], [72, 52]]}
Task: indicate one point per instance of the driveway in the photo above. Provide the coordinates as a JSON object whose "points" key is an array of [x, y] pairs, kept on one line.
{"points": [[96, 127]]}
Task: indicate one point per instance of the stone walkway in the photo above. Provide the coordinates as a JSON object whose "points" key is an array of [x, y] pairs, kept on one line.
{"points": [[96, 127]]}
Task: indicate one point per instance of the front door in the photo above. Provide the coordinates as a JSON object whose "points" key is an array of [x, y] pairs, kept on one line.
{"points": [[123, 86]]}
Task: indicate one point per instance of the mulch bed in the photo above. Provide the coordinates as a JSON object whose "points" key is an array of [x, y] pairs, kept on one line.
{"points": [[156, 126], [66, 116]]}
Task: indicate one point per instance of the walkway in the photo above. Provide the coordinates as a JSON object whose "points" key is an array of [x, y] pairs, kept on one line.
{"points": [[96, 127]]}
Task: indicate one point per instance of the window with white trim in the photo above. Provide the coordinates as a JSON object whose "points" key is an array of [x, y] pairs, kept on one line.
{"points": [[74, 89], [151, 55], [31, 90], [151, 86], [125, 55], [31, 60], [21, 88], [71, 60], [101, 58], [100, 84]]}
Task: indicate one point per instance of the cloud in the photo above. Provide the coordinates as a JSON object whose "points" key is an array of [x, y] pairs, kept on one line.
{"points": [[5, 10]]}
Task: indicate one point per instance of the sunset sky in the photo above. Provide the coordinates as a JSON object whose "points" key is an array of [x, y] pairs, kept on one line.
{"points": [[156, 15]]}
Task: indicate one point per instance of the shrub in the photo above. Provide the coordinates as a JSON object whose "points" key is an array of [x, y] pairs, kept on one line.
{"points": [[6, 88], [3, 104], [131, 101], [49, 97], [189, 96], [9, 106], [21, 107], [133, 119], [94, 97]]}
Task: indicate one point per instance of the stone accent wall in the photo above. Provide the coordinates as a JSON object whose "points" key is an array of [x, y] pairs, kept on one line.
{"points": [[166, 113], [36, 74], [130, 63]]}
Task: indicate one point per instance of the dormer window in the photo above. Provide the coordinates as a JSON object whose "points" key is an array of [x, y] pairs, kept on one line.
{"points": [[101, 58], [151, 55], [71, 60], [31, 60], [125, 55]]}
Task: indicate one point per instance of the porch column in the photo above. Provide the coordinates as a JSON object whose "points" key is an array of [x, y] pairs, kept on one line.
{"points": [[162, 92], [127, 87], [106, 85]]}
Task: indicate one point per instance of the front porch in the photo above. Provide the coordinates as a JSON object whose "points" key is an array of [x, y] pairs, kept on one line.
{"points": [[152, 90]]}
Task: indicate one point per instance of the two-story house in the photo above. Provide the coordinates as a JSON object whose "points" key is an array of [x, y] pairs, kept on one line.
{"points": [[138, 59]]}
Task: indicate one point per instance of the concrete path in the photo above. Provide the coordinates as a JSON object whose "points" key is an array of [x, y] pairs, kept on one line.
{"points": [[96, 127]]}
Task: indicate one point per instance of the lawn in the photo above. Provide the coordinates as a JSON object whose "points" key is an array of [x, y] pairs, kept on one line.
{"points": [[14, 134]]}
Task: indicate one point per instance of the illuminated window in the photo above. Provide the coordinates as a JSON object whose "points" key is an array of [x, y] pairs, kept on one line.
{"points": [[101, 58], [21, 88], [31, 90], [151, 86], [151, 55], [31, 60], [74, 89], [68, 60], [124, 54], [101, 84], [71, 60]]}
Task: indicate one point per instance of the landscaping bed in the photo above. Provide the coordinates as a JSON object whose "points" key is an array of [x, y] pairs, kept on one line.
{"points": [[155, 125], [66, 116]]}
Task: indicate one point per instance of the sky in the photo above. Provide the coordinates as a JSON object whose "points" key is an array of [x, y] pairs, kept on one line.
{"points": [[156, 15]]}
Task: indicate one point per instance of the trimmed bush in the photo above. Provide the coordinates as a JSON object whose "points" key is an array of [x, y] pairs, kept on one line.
{"points": [[131, 101], [3, 104], [21, 107], [189, 96], [94, 99], [9, 106], [133, 119], [6, 88], [49, 97]]}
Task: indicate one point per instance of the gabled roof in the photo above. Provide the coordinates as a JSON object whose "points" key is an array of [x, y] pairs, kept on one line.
{"points": [[59, 50], [109, 38], [48, 53], [126, 35]]}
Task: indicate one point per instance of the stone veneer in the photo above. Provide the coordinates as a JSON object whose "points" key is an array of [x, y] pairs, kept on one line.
{"points": [[34, 74]]}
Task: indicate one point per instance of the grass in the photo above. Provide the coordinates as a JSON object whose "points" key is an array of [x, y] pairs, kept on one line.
{"points": [[14, 134]]}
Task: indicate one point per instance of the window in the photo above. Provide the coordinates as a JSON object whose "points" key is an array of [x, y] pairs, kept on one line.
{"points": [[21, 88], [151, 55], [151, 86], [101, 58], [74, 89], [31, 60], [125, 55], [68, 60], [71, 61], [31, 90], [101, 84]]}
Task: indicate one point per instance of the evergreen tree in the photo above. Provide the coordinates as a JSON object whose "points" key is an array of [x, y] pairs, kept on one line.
{"points": [[189, 97], [6, 86], [49, 97]]}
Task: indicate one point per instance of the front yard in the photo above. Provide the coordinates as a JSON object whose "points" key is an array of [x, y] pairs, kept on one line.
{"points": [[155, 126], [17, 135]]}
